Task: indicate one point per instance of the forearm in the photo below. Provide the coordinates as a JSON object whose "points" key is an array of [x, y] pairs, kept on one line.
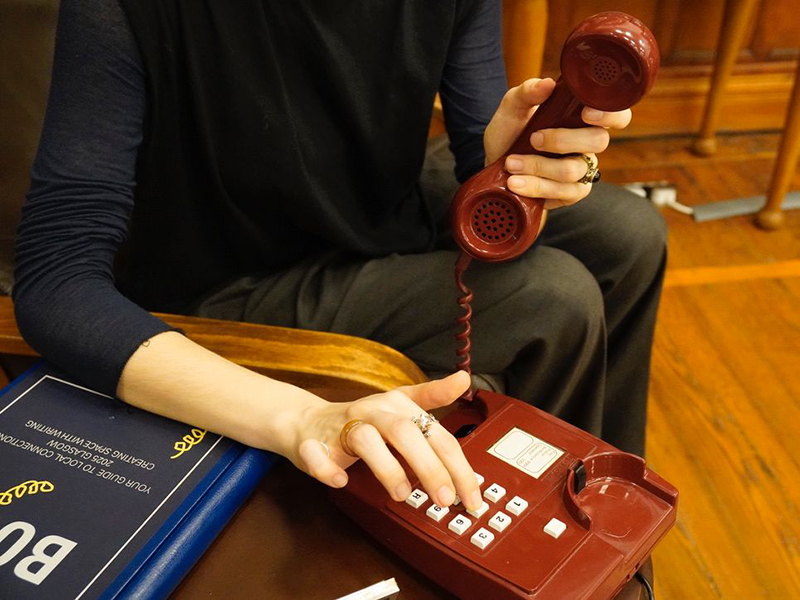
{"points": [[175, 377]]}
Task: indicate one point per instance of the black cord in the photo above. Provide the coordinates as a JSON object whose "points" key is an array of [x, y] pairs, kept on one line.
{"points": [[648, 588]]}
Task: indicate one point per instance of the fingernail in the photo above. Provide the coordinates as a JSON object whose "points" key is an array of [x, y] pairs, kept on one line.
{"points": [[476, 499], [537, 139], [340, 480], [593, 114], [445, 496], [402, 490], [514, 164], [516, 182]]}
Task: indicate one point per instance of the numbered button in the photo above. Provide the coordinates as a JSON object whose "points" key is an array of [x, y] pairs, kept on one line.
{"points": [[482, 538], [480, 479], [460, 524], [479, 512], [494, 492], [457, 501], [417, 498], [437, 512], [499, 521], [516, 505]]}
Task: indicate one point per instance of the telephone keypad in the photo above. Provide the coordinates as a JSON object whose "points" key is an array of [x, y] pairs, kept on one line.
{"points": [[494, 492], [482, 538], [417, 498], [436, 512], [499, 521], [516, 505], [459, 524]]}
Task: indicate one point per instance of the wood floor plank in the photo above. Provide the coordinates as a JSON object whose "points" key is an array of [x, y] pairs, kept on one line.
{"points": [[727, 274], [726, 446]]}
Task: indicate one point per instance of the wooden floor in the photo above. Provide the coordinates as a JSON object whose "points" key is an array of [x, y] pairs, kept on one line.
{"points": [[724, 422]]}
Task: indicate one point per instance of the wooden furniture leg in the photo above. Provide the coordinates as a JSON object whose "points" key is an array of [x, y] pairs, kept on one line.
{"points": [[524, 37], [734, 23], [771, 216]]}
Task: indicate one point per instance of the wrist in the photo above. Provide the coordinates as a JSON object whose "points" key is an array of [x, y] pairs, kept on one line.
{"points": [[280, 427]]}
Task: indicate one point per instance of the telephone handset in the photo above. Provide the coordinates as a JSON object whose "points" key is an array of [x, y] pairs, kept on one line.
{"points": [[565, 515], [609, 62]]}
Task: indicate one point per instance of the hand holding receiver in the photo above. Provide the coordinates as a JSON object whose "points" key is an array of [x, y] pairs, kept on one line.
{"points": [[609, 62]]}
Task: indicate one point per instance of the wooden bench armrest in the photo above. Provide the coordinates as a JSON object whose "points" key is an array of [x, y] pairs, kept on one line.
{"points": [[304, 358]]}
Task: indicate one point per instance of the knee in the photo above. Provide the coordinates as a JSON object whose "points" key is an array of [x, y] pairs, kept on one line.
{"points": [[566, 297], [639, 237]]}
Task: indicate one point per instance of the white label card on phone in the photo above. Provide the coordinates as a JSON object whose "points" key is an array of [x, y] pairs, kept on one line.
{"points": [[526, 452]]}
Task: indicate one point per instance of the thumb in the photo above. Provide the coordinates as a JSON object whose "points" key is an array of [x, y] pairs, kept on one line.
{"points": [[439, 392], [515, 109], [518, 101]]}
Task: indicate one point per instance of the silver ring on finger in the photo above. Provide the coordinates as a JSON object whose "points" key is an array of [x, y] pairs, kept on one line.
{"points": [[327, 448], [425, 421], [592, 174]]}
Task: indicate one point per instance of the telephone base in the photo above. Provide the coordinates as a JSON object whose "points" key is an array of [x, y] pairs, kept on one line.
{"points": [[569, 516]]}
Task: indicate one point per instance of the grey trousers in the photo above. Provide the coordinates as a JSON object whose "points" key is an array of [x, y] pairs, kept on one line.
{"points": [[569, 325]]}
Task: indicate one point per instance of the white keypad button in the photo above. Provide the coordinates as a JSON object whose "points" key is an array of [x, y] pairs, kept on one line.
{"points": [[516, 505], [417, 498], [457, 501], [480, 478], [480, 512], [555, 528], [460, 524], [494, 492], [437, 512], [499, 521], [482, 538]]}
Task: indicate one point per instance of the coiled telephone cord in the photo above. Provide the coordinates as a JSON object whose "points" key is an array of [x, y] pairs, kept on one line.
{"points": [[464, 321]]}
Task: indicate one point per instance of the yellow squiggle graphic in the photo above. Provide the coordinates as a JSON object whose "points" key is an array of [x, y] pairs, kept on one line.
{"points": [[189, 441], [26, 487]]}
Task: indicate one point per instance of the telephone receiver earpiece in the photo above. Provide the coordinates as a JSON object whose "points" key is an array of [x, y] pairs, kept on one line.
{"points": [[609, 62]]}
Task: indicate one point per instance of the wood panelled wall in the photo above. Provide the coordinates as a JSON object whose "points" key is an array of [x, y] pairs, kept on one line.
{"points": [[687, 32]]}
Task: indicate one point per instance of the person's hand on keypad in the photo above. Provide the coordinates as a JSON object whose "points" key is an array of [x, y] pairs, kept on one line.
{"points": [[335, 435]]}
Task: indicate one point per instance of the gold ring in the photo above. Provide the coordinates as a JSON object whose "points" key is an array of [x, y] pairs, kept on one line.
{"points": [[591, 170], [348, 427]]}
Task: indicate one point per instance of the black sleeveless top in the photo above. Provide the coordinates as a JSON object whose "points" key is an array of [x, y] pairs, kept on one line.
{"points": [[275, 130]]}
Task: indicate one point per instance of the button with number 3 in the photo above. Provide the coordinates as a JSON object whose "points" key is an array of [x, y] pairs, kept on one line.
{"points": [[482, 538]]}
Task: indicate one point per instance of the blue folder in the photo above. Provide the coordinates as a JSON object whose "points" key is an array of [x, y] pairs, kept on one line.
{"points": [[102, 500]]}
